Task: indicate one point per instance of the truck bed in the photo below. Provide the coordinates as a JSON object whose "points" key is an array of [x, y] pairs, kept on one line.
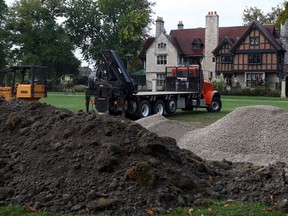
{"points": [[151, 93]]}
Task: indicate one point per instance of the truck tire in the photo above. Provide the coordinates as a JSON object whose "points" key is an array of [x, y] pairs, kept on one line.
{"points": [[131, 107], [171, 106], [144, 109], [158, 107], [215, 106]]}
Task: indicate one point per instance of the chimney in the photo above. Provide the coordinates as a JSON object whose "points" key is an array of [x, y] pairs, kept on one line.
{"points": [[211, 40], [180, 25], [159, 26]]}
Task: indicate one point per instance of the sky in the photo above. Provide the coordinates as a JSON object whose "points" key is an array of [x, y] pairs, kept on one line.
{"points": [[192, 13]]}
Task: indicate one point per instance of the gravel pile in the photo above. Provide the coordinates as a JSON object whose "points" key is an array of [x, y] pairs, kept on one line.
{"points": [[165, 127], [255, 134]]}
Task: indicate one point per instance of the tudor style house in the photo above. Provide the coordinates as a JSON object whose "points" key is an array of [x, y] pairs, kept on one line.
{"points": [[247, 56], [256, 58]]}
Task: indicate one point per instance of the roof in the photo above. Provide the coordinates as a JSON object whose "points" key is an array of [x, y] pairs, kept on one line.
{"points": [[145, 47], [185, 37], [182, 38], [267, 30]]}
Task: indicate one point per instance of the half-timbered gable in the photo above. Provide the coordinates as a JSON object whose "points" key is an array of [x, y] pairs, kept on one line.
{"points": [[257, 58], [223, 56]]}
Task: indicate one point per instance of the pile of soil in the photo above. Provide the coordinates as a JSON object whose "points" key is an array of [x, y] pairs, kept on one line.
{"points": [[56, 160]]}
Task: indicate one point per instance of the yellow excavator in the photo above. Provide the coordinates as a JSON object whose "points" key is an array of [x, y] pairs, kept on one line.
{"points": [[25, 82]]}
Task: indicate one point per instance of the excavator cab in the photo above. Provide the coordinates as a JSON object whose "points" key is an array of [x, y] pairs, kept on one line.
{"points": [[25, 82]]}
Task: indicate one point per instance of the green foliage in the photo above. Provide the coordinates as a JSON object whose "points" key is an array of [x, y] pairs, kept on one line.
{"points": [[4, 45], [282, 16], [38, 37], [255, 14], [108, 24], [258, 91], [219, 83], [145, 174], [13, 119], [226, 208]]}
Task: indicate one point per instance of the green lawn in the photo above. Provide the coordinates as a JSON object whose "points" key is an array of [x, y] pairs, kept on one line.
{"points": [[73, 102], [76, 102]]}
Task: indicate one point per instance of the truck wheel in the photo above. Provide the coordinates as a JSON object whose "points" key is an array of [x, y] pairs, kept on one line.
{"points": [[215, 106], [131, 107], [144, 109], [159, 107], [171, 106]]}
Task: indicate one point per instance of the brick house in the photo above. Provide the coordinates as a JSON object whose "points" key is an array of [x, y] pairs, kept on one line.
{"points": [[246, 55]]}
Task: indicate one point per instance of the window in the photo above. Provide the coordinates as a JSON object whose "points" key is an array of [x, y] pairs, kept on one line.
{"points": [[196, 45], [161, 59], [161, 45], [226, 59], [255, 79], [161, 79], [254, 41], [254, 59]]}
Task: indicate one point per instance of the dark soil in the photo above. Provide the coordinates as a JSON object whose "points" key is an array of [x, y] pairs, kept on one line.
{"points": [[56, 160]]}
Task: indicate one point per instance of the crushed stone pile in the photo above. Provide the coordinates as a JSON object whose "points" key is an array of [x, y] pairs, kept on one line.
{"points": [[256, 134], [56, 160], [165, 127]]}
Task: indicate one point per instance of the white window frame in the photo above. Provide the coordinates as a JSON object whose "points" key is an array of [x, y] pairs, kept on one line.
{"points": [[161, 59], [249, 76], [161, 79]]}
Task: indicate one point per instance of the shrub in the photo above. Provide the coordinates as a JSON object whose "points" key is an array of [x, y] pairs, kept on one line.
{"points": [[258, 91], [219, 83]]}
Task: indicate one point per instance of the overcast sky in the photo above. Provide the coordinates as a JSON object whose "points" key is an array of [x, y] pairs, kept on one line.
{"points": [[192, 13]]}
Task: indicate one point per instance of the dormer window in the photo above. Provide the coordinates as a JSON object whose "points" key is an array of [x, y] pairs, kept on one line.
{"points": [[196, 44], [161, 45]]}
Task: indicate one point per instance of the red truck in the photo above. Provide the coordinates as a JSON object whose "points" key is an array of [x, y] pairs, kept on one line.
{"points": [[115, 92]]}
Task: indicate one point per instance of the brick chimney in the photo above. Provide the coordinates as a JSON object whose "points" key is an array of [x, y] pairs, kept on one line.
{"points": [[211, 42], [180, 25], [159, 26]]}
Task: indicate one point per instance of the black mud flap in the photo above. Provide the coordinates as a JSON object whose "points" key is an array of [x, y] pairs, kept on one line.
{"points": [[102, 104]]}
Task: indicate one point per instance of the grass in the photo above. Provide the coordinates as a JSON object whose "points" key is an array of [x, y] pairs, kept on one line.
{"points": [[76, 102], [22, 211], [224, 208], [73, 102], [214, 208]]}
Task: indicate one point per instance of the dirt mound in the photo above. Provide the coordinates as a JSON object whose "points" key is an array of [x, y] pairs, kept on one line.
{"points": [[56, 160]]}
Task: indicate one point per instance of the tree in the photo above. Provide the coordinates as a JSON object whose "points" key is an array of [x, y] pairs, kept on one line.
{"points": [[255, 14], [40, 39], [283, 15], [108, 24], [4, 45]]}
